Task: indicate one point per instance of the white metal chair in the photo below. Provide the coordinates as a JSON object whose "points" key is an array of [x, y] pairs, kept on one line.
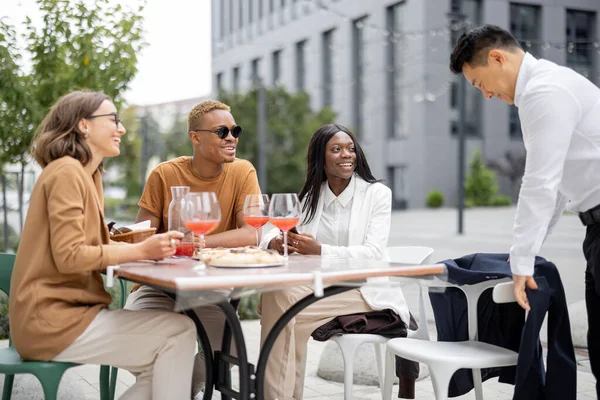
{"points": [[348, 344], [445, 358]]}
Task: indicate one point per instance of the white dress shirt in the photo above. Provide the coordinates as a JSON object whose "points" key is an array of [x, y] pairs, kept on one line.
{"points": [[560, 119], [335, 218]]}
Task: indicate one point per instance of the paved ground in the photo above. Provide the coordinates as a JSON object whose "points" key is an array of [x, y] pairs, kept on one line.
{"points": [[317, 388], [486, 230]]}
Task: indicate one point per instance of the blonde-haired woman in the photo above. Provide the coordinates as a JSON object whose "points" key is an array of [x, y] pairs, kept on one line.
{"points": [[58, 305]]}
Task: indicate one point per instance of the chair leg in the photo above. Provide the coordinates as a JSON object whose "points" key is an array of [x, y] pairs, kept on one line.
{"points": [[8, 386], [379, 360], [50, 382], [348, 350], [113, 382], [104, 382], [440, 378], [477, 384], [388, 381]]}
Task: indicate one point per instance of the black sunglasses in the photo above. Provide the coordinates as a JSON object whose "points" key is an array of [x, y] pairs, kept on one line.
{"points": [[223, 131], [117, 119]]}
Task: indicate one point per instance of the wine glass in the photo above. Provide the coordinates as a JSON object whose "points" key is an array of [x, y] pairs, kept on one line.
{"points": [[284, 213], [201, 213], [256, 211]]}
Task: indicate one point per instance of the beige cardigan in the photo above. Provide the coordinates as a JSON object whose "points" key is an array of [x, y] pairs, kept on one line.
{"points": [[56, 287]]}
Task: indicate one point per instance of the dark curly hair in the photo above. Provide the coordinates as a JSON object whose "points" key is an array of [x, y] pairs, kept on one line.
{"points": [[473, 47]]}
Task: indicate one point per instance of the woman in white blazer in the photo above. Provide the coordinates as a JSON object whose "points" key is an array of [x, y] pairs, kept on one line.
{"points": [[346, 212]]}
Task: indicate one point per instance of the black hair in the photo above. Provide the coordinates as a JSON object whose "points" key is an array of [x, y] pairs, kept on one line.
{"points": [[315, 166], [472, 47]]}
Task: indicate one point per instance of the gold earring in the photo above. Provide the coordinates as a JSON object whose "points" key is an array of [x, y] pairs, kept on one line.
{"points": [[87, 133]]}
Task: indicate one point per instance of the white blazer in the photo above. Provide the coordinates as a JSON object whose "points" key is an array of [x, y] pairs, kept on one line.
{"points": [[370, 221]]}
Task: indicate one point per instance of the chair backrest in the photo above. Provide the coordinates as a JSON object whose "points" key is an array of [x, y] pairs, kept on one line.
{"points": [[7, 262], [504, 293], [413, 255]]}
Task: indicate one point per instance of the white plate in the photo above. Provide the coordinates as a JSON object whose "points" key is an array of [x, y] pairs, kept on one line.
{"points": [[278, 264]]}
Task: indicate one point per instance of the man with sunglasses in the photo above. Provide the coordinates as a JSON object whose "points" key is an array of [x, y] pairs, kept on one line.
{"points": [[212, 168]]}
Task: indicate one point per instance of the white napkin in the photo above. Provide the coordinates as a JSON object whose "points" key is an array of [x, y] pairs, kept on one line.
{"points": [[139, 226]]}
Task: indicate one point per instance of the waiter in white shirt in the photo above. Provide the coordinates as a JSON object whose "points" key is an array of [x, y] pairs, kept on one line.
{"points": [[560, 119]]}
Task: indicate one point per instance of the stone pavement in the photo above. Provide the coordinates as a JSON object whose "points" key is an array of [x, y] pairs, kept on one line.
{"points": [[317, 388], [486, 230]]}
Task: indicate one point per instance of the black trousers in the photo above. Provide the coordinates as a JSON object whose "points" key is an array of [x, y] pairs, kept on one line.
{"points": [[591, 250]]}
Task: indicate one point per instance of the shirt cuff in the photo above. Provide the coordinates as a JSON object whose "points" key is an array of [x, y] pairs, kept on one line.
{"points": [[325, 249], [522, 265]]}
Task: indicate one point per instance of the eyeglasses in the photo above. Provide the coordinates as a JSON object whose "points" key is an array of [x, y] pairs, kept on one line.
{"points": [[223, 131], [117, 119]]}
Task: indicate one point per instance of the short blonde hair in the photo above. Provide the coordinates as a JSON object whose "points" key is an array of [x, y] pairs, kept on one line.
{"points": [[195, 116]]}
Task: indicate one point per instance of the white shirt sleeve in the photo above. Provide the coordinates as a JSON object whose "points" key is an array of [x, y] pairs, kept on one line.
{"points": [[561, 203], [549, 116], [377, 235]]}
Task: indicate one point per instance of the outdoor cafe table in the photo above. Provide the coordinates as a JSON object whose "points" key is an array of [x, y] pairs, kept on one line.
{"points": [[191, 287]]}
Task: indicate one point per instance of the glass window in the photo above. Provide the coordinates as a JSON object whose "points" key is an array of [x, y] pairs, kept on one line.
{"points": [[525, 25], [327, 68], [276, 66], [580, 42], [358, 66], [300, 66], [397, 180], [397, 117]]}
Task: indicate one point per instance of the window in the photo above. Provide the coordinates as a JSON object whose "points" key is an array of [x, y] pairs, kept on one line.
{"points": [[240, 14], [300, 66], [396, 115], [397, 179], [231, 19], [271, 6], [580, 42], [255, 70], [327, 67], [260, 9], [236, 80], [251, 11], [219, 82], [222, 21], [276, 66], [358, 56], [525, 25], [473, 12]]}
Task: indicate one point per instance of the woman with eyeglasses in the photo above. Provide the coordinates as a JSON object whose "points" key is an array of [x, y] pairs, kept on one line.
{"points": [[346, 213], [58, 304]]}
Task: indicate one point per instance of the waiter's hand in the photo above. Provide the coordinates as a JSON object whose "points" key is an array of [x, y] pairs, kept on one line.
{"points": [[520, 281]]}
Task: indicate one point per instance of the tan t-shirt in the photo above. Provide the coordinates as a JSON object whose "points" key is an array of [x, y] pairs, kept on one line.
{"points": [[237, 180]]}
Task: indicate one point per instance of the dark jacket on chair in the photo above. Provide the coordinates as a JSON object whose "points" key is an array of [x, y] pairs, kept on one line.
{"points": [[504, 325]]}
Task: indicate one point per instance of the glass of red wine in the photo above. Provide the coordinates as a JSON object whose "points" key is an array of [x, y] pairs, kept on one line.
{"points": [[256, 211], [202, 214], [284, 213]]}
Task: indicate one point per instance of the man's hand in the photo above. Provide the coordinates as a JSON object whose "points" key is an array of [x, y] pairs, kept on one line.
{"points": [[519, 282]]}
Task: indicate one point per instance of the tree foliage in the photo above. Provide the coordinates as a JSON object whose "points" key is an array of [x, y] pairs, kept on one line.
{"points": [[80, 45], [290, 124]]}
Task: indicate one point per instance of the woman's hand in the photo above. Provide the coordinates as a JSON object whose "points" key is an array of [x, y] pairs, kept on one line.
{"points": [[160, 246], [304, 244], [277, 244]]}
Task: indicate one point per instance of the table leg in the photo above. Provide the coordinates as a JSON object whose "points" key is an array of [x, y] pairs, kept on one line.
{"points": [[223, 359], [206, 351], [280, 325]]}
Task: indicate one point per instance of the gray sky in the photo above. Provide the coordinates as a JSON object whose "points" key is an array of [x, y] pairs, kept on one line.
{"points": [[175, 65]]}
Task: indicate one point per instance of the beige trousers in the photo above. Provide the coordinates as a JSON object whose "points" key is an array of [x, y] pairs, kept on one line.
{"points": [[156, 345], [212, 318], [284, 378]]}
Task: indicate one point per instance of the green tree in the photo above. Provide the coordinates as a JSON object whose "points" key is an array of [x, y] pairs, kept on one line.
{"points": [[81, 45], [290, 124], [480, 184]]}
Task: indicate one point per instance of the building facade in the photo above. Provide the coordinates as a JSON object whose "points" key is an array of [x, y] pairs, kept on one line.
{"points": [[382, 65]]}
